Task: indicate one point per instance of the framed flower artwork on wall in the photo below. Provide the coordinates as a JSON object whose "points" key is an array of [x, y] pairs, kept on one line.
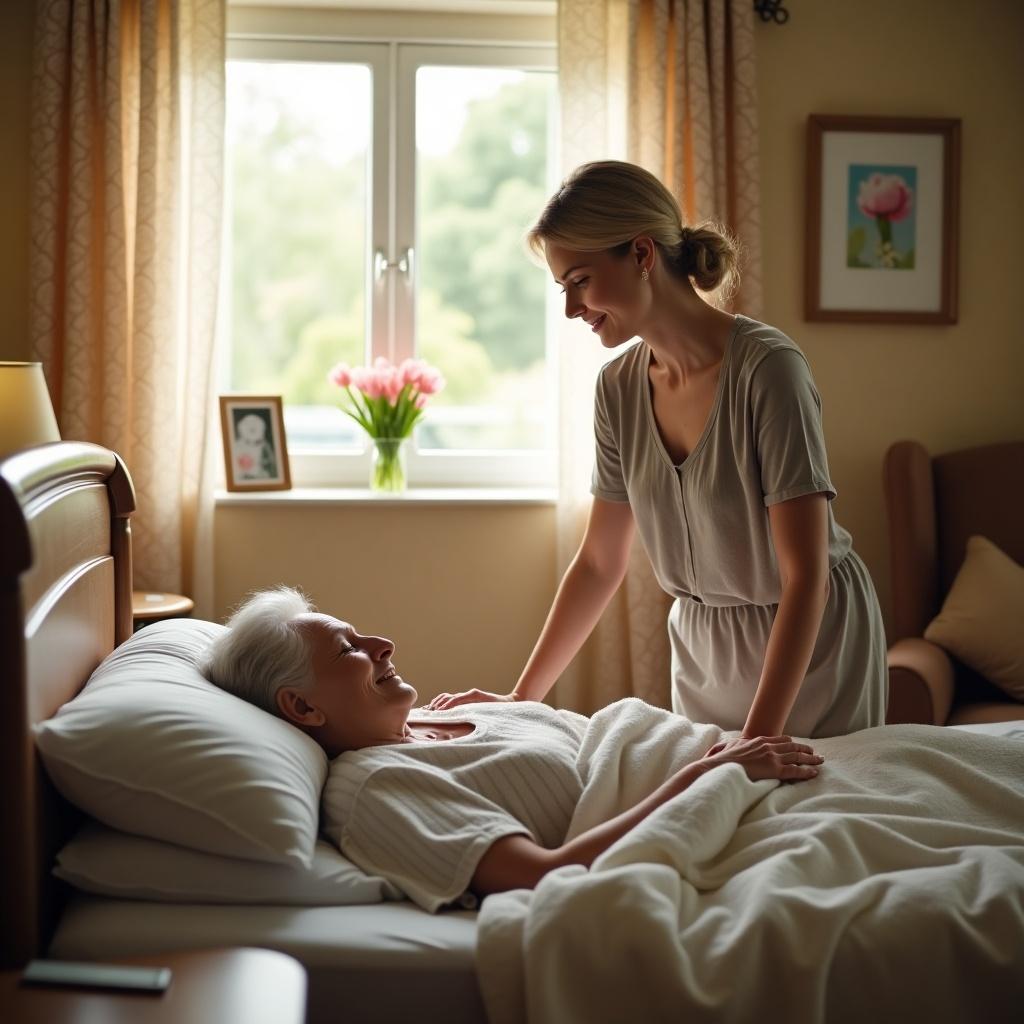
{"points": [[882, 219]]}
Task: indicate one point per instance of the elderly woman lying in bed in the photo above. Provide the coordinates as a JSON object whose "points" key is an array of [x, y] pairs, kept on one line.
{"points": [[478, 799]]}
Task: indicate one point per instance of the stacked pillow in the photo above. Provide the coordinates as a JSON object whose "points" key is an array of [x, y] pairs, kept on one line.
{"points": [[110, 863], [982, 619], [212, 799]]}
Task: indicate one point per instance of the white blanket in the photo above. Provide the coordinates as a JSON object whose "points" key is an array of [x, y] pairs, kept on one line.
{"points": [[891, 887]]}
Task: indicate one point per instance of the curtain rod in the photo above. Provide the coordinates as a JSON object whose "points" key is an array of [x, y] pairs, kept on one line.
{"points": [[772, 10]]}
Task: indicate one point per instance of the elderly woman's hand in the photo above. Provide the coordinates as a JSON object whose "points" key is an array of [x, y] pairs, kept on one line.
{"points": [[445, 701], [768, 757]]}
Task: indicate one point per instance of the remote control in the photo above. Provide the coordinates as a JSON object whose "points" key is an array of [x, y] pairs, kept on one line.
{"points": [[86, 975]]}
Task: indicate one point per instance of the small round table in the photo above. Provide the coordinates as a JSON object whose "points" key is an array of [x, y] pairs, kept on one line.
{"points": [[149, 606], [218, 986]]}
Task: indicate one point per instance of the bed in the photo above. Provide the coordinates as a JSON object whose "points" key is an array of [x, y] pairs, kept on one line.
{"points": [[65, 605]]}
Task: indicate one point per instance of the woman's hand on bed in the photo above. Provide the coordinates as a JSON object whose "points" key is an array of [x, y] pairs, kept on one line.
{"points": [[768, 757], [446, 701]]}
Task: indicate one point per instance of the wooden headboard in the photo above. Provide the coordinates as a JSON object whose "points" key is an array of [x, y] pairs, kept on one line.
{"points": [[65, 604]]}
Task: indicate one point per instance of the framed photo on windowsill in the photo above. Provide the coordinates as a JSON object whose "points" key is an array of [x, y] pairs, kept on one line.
{"points": [[882, 219], [255, 450]]}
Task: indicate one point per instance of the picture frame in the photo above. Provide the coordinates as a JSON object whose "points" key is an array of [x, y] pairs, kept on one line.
{"points": [[882, 219], [255, 447]]}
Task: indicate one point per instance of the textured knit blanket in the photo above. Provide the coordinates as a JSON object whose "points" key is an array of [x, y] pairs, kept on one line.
{"points": [[891, 887]]}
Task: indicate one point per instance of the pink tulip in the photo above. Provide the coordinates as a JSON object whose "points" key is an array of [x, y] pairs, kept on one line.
{"points": [[410, 371], [885, 195], [341, 375], [368, 381], [379, 380], [391, 398], [393, 385], [431, 381]]}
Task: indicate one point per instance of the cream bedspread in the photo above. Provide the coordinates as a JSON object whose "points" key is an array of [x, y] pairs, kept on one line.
{"points": [[890, 887]]}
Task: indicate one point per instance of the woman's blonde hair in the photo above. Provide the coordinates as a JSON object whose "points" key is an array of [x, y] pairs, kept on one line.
{"points": [[603, 205]]}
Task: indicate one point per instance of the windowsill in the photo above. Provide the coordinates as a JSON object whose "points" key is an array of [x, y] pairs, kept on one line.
{"points": [[435, 496]]}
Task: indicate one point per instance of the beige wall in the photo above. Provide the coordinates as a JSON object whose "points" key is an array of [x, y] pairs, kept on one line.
{"points": [[15, 77], [950, 386], [466, 589], [463, 589]]}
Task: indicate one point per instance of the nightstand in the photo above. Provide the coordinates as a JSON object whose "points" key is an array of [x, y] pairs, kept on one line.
{"points": [[149, 606], [219, 986]]}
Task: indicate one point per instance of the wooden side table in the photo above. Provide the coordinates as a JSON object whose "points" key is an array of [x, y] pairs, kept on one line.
{"points": [[148, 606], [220, 986]]}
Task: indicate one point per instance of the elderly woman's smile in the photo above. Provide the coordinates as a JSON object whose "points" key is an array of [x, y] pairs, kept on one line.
{"points": [[355, 696]]}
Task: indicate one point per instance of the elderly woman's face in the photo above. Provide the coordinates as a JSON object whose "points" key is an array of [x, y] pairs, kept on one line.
{"points": [[602, 289], [363, 699]]}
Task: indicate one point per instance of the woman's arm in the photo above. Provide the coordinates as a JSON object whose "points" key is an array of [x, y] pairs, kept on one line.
{"points": [[800, 535], [586, 588], [517, 862]]}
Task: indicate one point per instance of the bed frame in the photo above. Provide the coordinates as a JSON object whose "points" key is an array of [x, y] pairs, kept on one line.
{"points": [[65, 603]]}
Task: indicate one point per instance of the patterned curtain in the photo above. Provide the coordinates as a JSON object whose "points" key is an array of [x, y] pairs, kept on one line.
{"points": [[127, 161], [670, 85]]}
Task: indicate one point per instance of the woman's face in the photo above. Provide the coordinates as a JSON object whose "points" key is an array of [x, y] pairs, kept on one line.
{"points": [[604, 290], [363, 700]]}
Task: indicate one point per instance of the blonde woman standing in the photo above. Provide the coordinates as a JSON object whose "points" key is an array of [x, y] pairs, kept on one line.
{"points": [[710, 444]]}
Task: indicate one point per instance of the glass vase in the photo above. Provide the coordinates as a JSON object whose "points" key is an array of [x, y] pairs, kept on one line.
{"points": [[387, 470]]}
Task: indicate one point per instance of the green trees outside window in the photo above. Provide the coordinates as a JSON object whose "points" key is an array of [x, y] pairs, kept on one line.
{"points": [[299, 191]]}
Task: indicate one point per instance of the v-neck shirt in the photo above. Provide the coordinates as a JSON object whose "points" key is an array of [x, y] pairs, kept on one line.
{"points": [[704, 521], [715, 402]]}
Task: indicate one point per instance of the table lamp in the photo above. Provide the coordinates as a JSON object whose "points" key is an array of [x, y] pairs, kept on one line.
{"points": [[26, 415]]}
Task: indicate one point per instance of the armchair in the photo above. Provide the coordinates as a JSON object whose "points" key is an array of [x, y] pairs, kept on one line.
{"points": [[934, 504]]}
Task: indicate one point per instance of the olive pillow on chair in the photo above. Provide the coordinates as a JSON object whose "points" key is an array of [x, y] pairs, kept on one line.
{"points": [[982, 618], [153, 748]]}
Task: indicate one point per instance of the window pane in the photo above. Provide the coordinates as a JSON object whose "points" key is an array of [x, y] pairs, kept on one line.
{"points": [[483, 173], [298, 138]]}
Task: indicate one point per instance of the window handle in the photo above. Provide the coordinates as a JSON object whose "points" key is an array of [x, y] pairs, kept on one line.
{"points": [[403, 266]]}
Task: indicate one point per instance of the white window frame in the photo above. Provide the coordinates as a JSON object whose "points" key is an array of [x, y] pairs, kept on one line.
{"points": [[391, 229]]}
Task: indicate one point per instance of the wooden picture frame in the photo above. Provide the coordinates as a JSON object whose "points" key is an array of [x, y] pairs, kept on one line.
{"points": [[882, 219], [255, 447]]}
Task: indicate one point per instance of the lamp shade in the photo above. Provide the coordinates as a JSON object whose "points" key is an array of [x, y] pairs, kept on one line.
{"points": [[26, 415]]}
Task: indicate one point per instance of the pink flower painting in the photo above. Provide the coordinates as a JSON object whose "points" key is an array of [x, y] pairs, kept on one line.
{"points": [[881, 217], [885, 195]]}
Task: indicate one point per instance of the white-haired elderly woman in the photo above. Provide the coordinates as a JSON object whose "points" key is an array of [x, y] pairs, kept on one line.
{"points": [[442, 803]]}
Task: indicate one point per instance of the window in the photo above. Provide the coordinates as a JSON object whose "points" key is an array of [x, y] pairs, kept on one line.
{"points": [[378, 194]]}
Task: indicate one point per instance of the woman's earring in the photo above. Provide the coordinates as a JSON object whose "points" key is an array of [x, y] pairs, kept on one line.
{"points": [[643, 274]]}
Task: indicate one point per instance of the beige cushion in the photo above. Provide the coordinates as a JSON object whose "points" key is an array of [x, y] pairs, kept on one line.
{"points": [[152, 748], [104, 861], [982, 618]]}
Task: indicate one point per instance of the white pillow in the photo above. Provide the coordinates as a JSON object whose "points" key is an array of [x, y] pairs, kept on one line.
{"points": [[110, 863], [152, 748]]}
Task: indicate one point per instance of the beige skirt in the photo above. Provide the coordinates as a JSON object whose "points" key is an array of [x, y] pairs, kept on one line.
{"points": [[718, 653]]}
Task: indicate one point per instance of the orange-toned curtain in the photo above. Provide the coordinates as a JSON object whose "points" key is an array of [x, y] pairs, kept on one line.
{"points": [[670, 85], [127, 163]]}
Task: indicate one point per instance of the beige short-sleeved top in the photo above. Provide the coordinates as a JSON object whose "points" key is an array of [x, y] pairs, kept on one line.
{"points": [[705, 526]]}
